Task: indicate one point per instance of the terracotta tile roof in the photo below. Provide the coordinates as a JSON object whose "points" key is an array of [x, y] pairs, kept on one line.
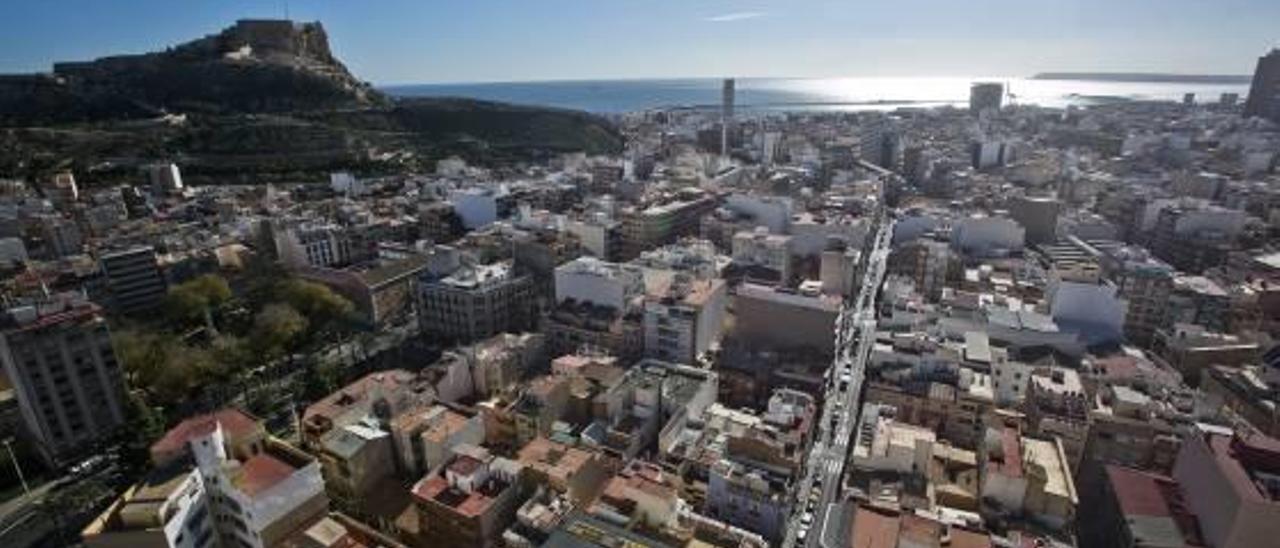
{"points": [[387, 383], [235, 423], [260, 473], [559, 462], [1157, 498], [435, 489], [450, 424], [874, 529], [427, 488], [465, 465], [961, 538], [918, 531]]}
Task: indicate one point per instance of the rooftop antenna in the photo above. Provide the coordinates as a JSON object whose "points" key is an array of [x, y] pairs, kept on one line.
{"points": [[286, 9]]}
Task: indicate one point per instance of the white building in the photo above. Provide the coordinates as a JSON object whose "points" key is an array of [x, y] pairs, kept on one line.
{"points": [[1092, 309], [253, 490], [597, 234], [313, 245], [258, 495], [839, 271], [760, 248], [345, 184], [591, 280], [1010, 379], [981, 236], [165, 179], [170, 508], [773, 212], [913, 225], [811, 235], [685, 319], [477, 207], [886, 445]]}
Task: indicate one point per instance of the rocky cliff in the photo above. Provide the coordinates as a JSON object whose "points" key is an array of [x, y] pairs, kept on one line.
{"points": [[261, 100], [253, 66]]}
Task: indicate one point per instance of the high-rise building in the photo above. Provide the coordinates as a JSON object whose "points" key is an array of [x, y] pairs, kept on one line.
{"points": [[984, 96], [134, 279], [57, 354], [1264, 94], [1039, 216], [726, 114], [727, 99]]}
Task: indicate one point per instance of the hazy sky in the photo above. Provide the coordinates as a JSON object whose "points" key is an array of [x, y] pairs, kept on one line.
{"points": [[412, 41]]}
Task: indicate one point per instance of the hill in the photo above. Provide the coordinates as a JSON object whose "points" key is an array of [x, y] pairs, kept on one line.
{"points": [[261, 100]]}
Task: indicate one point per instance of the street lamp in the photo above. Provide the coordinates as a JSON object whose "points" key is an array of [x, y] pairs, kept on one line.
{"points": [[13, 457]]}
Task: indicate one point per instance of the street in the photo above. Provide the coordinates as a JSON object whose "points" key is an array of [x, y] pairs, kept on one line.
{"points": [[818, 515]]}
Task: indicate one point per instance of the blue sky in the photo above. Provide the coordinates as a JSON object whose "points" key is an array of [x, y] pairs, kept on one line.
{"points": [[423, 41]]}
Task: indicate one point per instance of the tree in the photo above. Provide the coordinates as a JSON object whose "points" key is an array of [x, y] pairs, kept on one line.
{"points": [[142, 355], [316, 301], [196, 299], [319, 380], [145, 426], [165, 368], [275, 327]]}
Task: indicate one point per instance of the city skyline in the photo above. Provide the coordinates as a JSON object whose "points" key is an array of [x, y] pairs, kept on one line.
{"points": [[402, 42]]}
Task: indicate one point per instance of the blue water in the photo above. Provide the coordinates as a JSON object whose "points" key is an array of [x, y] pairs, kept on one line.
{"points": [[616, 96]]}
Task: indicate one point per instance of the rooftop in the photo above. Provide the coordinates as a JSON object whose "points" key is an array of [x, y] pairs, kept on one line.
{"points": [[1153, 508], [234, 422], [1046, 455], [553, 459], [1248, 462], [260, 473]]}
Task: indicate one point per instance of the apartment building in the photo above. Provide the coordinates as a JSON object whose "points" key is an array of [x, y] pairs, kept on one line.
{"points": [[57, 353]]}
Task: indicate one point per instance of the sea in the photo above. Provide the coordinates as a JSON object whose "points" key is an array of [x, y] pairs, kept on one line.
{"points": [[811, 94]]}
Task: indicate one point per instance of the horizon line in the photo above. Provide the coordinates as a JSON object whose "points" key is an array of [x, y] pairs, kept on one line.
{"points": [[583, 80]]}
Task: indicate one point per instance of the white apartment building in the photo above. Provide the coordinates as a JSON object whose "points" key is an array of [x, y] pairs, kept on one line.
{"points": [[772, 212], [475, 302], [760, 248], [313, 245], [600, 283], [170, 508], [255, 489], [685, 319], [886, 445], [981, 236]]}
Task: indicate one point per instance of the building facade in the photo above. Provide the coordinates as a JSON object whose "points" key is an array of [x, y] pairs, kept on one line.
{"points": [[59, 358]]}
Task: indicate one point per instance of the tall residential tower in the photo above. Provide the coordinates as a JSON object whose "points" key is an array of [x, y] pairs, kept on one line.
{"points": [[58, 355], [1264, 94]]}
